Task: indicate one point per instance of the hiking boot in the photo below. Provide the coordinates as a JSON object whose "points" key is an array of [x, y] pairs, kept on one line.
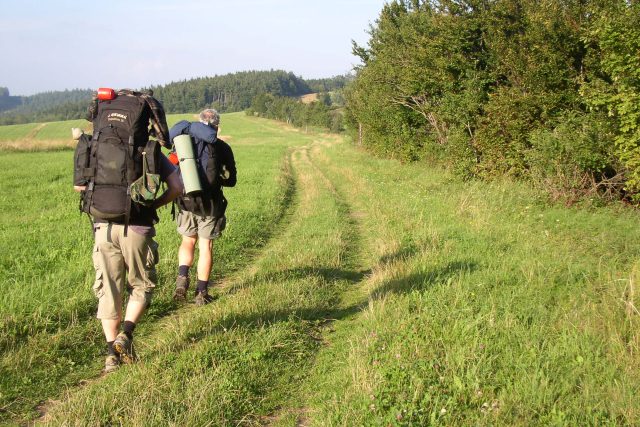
{"points": [[203, 297], [124, 347], [111, 364], [182, 284]]}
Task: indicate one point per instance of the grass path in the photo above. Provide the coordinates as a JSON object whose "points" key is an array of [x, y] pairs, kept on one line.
{"points": [[485, 306], [45, 304], [377, 293], [32, 134], [281, 292]]}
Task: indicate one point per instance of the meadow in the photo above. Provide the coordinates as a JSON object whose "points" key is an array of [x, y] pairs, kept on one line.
{"points": [[351, 290]]}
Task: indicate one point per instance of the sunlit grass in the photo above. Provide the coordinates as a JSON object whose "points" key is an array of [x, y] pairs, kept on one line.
{"points": [[353, 291], [45, 256]]}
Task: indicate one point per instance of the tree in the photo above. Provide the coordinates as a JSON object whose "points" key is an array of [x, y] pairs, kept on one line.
{"points": [[496, 86]]}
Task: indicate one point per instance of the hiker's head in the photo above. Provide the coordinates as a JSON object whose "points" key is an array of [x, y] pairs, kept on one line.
{"points": [[210, 117]]}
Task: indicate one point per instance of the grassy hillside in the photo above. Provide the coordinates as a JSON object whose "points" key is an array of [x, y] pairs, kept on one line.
{"points": [[352, 291], [52, 135], [16, 132]]}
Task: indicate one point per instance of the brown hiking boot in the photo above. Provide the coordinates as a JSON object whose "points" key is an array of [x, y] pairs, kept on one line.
{"points": [[182, 284], [111, 364], [124, 347], [203, 297]]}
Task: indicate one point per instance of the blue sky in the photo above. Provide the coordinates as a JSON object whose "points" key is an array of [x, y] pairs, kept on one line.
{"points": [[64, 44]]}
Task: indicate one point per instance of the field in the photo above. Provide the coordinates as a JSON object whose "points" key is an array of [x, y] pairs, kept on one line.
{"points": [[351, 291], [309, 98], [52, 135]]}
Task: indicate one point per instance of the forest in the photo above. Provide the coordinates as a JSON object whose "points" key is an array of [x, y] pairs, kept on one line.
{"points": [[43, 107], [227, 93], [543, 90]]}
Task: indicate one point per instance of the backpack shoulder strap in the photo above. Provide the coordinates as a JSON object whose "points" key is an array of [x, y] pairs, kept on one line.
{"points": [[153, 156], [158, 120]]}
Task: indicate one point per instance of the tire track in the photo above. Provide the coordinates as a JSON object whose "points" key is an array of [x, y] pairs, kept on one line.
{"points": [[186, 328], [351, 260], [33, 132]]}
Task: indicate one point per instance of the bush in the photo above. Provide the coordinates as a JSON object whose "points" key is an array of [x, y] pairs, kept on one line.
{"points": [[575, 158], [506, 88]]}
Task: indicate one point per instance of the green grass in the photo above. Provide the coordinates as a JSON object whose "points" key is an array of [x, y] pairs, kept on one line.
{"points": [[47, 271], [60, 130], [15, 132], [352, 291], [56, 135], [484, 306]]}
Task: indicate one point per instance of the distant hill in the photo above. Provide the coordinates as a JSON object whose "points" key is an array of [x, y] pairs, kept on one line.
{"points": [[229, 92], [43, 107], [226, 93], [7, 101]]}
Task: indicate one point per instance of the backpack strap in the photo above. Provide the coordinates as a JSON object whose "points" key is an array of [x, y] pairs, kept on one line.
{"points": [[201, 204], [211, 146], [158, 120], [130, 166], [90, 170], [152, 156], [87, 172]]}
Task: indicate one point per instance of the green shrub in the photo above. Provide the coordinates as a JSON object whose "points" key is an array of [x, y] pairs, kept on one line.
{"points": [[616, 35], [574, 158]]}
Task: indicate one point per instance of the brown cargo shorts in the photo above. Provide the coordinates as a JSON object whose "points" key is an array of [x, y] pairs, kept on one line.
{"points": [[205, 227], [122, 261]]}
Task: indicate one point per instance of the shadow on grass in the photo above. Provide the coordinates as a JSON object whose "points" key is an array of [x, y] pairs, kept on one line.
{"points": [[16, 331], [403, 253], [321, 315], [421, 281], [329, 275]]}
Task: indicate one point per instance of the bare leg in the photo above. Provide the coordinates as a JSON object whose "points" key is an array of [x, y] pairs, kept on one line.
{"points": [[186, 250], [111, 327], [134, 311], [205, 259]]}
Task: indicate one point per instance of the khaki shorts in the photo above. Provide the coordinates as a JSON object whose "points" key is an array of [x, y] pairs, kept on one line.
{"points": [[205, 227], [115, 255]]}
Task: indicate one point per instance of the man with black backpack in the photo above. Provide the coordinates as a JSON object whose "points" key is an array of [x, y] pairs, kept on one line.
{"points": [[201, 216], [118, 171]]}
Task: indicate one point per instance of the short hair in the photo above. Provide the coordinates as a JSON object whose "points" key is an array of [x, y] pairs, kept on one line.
{"points": [[210, 117]]}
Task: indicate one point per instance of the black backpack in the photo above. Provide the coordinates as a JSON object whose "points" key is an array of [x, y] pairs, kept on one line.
{"points": [[210, 201], [112, 159]]}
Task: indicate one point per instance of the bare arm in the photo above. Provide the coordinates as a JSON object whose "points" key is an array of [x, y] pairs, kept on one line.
{"points": [[174, 189], [79, 188]]}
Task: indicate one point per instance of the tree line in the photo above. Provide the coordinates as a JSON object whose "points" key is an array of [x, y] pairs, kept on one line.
{"points": [[332, 84], [546, 90], [325, 112], [43, 107], [226, 93]]}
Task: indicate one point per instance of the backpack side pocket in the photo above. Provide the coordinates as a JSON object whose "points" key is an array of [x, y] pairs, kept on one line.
{"points": [[81, 159]]}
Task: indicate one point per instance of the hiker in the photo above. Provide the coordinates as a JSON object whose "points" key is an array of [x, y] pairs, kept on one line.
{"points": [[118, 163], [201, 216]]}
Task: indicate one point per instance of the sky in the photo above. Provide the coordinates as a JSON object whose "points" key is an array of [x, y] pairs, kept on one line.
{"points": [[63, 44]]}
